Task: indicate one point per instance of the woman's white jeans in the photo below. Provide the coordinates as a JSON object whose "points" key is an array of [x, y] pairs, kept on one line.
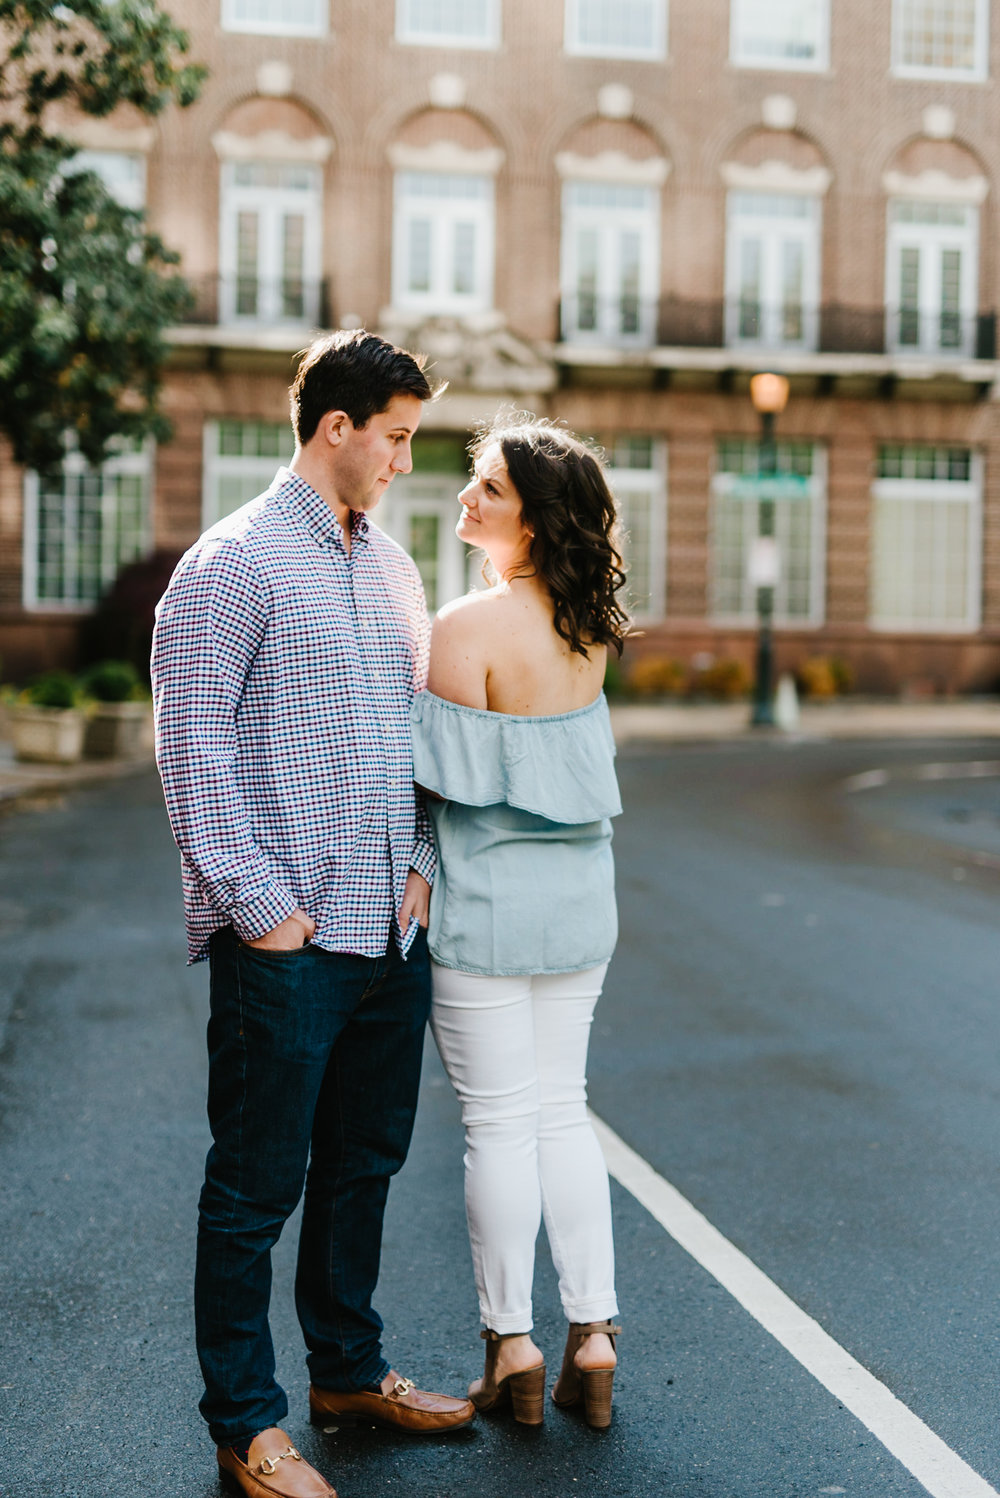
{"points": [[515, 1049]]}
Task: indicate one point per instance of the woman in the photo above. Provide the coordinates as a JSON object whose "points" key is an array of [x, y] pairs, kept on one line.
{"points": [[513, 740]]}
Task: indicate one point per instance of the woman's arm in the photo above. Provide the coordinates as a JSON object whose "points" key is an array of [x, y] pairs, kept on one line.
{"points": [[459, 669]]}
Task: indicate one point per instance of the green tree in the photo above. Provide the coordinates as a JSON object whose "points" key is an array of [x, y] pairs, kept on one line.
{"points": [[86, 292]]}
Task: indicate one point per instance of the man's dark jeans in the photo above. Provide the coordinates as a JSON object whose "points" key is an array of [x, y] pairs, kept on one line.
{"points": [[307, 1050]]}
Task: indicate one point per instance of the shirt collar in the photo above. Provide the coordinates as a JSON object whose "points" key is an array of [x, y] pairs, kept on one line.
{"points": [[314, 512]]}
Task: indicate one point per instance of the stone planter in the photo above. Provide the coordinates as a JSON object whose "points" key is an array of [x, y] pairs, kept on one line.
{"points": [[47, 735], [117, 730]]}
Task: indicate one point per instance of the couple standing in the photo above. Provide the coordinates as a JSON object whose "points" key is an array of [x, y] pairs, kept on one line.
{"points": [[289, 664]]}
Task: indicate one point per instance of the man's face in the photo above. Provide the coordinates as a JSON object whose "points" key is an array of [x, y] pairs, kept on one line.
{"points": [[368, 458]]}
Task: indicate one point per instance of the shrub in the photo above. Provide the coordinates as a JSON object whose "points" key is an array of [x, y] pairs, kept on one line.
{"points": [[843, 673], [724, 679], [823, 676], [121, 627], [657, 675], [53, 689], [112, 681], [614, 677]]}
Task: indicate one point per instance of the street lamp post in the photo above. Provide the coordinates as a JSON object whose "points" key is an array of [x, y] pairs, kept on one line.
{"points": [[769, 393]]}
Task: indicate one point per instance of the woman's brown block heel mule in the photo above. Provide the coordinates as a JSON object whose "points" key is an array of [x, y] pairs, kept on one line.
{"points": [[523, 1391], [590, 1387]]}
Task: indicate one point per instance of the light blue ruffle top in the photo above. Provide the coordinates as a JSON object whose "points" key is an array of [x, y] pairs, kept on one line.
{"points": [[525, 877]]}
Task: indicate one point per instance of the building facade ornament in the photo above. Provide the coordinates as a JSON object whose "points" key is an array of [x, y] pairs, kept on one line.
{"points": [[475, 353], [613, 166]]}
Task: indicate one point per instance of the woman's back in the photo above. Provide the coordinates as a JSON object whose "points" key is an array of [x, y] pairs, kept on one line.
{"points": [[500, 650]]}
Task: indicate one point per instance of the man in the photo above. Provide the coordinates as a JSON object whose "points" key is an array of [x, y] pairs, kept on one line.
{"points": [[288, 647]]}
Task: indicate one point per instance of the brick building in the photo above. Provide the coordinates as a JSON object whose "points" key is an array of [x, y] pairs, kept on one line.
{"points": [[613, 212]]}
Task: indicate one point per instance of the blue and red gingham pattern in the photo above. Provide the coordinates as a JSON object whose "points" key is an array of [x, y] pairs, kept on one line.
{"points": [[283, 672]]}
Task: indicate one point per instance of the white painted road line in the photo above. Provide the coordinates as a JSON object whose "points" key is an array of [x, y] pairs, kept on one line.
{"points": [[920, 1451]]}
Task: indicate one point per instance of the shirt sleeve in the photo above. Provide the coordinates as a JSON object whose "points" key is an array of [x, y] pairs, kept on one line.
{"points": [[209, 626]]}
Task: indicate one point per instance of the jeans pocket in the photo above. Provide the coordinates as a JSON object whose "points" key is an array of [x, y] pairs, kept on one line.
{"points": [[273, 953]]}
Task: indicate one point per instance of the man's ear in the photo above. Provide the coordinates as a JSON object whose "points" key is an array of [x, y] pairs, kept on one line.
{"points": [[334, 425]]}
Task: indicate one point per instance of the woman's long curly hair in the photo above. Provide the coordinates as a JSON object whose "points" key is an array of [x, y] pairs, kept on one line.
{"points": [[568, 507]]}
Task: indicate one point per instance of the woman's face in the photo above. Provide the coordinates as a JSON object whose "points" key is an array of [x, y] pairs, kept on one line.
{"points": [[491, 515]]}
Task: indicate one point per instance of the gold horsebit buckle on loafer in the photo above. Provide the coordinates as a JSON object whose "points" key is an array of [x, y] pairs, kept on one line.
{"points": [[270, 1463], [400, 1388]]}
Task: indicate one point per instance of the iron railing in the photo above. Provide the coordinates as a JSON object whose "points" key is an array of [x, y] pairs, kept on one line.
{"points": [[258, 302], [629, 321]]}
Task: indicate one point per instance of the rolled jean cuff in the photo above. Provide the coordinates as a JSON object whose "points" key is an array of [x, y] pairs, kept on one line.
{"points": [[517, 1325], [598, 1308]]}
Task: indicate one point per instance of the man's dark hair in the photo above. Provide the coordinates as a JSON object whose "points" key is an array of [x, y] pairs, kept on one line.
{"points": [[356, 372]]}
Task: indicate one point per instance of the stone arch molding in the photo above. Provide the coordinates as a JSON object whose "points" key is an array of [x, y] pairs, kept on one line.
{"points": [[941, 171], [784, 161], [266, 129], [446, 140], [613, 151]]}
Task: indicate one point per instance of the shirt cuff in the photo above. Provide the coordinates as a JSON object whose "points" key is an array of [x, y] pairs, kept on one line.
{"points": [[424, 859], [253, 918]]}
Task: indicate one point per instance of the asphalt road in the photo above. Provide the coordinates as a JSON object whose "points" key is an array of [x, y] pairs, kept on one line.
{"points": [[800, 1032]]}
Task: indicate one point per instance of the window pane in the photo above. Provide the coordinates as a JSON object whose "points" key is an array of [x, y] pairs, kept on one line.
{"points": [[610, 196], [630, 253], [468, 20], [938, 34], [750, 256], [919, 461], [124, 175], [241, 459], [276, 15], [616, 25], [792, 291], [293, 298], [423, 546], [90, 523], [920, 562], [247, 244], [951, 288], [634, 509], [419, 256], [464, 271], [636, 476], [909, 295], [735, 523], [442, 245], [779, 31]]}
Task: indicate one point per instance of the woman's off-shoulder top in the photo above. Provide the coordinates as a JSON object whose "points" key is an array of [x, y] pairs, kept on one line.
{"points": [[525, 877]]}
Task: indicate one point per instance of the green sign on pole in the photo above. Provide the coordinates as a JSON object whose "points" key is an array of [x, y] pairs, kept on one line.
{"points": [[764, 485]]}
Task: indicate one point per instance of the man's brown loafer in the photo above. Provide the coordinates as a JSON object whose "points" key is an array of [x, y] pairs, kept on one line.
{"points": [[273, 1469], [404, 1408]]}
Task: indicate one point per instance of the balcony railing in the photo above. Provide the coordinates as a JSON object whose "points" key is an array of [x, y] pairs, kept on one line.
{"points": [[629, 322], [258, 302]]}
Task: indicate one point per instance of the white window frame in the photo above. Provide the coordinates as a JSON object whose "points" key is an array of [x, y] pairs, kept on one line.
{"points": [[807, 230], [254, 471], [408, 31], [317, 26], [413, 496], [444, 213], [606, 222], [913, 492], [575, 47], [740, 23], [138, 462], [649, 485], [129, 194], [931, 240], [980, 67], [270, 204], [816, 498]]}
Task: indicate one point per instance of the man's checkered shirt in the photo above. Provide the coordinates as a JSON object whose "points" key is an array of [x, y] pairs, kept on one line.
{"points": [[283, 672]]}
